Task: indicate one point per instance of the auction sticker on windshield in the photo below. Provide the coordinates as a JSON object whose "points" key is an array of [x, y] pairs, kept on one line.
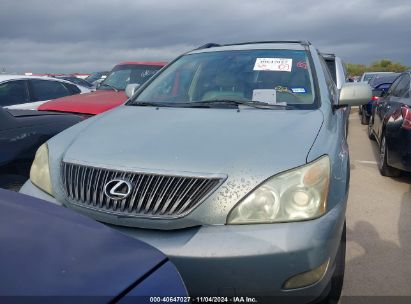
{"points": [[273, 64]]}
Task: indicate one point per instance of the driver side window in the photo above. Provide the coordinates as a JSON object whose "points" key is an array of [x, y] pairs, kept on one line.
{"points": [[403, 86], [393, 86]]}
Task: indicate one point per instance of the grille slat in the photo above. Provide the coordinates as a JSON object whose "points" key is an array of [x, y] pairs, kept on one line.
{"points": [[171, 196], [182, 195], [135, 192], [143, 194], [192, 195], [152, 195], [163, 192]]}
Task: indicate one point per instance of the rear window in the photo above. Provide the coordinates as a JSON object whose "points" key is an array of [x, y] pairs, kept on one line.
{"points": [[72, 88], [273, 76], [48, 89], [13, 92]]}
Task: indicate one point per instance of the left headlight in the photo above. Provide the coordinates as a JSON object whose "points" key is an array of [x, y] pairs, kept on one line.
{"points": [[295, 195], [39, 172]]}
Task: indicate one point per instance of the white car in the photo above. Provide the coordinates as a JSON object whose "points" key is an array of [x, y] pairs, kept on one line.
{"points": [[29, 92]]}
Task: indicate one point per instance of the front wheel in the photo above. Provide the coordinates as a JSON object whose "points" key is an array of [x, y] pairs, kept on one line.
{"points": [[385, 169]]}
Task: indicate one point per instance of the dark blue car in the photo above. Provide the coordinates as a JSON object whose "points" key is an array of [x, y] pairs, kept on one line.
{"points": [[52, 254], [379, 83]]}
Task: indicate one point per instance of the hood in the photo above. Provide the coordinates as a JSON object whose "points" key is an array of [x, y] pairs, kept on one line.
{"points": [[47, 250], [192, 140], [27, 113], [89, 103]]}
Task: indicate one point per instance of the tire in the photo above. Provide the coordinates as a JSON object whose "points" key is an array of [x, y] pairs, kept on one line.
{"points": [[364, 118], [337, 279], [370, 133], [383, 166]]}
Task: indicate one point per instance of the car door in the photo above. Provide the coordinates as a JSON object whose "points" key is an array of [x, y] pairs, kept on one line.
{"points": [[44, 90], [14, 93], [391, 101]]}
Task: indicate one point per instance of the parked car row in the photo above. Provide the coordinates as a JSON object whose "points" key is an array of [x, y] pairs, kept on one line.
{"points": [[232, 160], [110, 92], [390, 126], [76, 80], [379, 83]]}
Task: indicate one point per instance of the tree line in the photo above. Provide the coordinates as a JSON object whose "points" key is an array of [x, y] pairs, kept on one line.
{"points": [[384, 65]]}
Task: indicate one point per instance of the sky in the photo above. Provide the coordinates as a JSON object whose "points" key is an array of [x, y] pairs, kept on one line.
{"points": [[60, 36]]}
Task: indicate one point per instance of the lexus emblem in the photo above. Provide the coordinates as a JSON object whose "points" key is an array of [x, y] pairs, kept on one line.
{"points": [[117, 189]]}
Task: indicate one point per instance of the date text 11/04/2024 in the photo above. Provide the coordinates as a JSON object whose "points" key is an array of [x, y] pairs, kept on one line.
{"points": [[203, 300]]}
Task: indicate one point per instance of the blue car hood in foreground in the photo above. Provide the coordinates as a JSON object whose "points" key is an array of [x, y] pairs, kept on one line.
{"points": [[46, 250], [197, 140]]}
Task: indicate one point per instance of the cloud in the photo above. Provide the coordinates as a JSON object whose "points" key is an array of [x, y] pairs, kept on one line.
{"points": [[89, 35]]}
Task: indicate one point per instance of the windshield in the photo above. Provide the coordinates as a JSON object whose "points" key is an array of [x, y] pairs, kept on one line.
{"points": [[95, 76], [379, 79], [122, 75], [275, 77], [367, 77]]}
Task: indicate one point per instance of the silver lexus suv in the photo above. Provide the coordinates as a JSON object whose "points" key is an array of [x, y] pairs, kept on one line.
{"points": [[231, 160]]}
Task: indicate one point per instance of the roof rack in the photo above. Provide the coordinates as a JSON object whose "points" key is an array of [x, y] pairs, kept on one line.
{"points": [[212, 44], [302, 42], [207, 46], [328, 54]]}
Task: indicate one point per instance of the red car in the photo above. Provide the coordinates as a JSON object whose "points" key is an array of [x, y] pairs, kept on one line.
{"points": [[110, 93]]}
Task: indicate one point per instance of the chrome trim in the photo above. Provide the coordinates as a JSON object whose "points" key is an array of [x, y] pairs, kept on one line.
{"points": [[152, 194], [144, 170]]}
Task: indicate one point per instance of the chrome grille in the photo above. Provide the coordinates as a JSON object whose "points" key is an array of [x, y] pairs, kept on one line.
{"points": [[152, 195]]}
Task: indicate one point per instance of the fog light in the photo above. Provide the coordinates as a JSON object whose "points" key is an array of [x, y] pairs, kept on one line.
{"points": [[307, 278]]}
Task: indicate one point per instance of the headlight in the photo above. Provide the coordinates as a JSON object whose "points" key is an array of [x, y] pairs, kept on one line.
{"points": [[39, 172], [298, 194]]}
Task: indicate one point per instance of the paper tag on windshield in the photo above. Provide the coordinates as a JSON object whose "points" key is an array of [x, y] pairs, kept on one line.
{"points": [[265, 95], [273, 64]]}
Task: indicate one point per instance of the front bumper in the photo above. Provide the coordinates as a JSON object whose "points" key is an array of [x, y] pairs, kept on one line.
{"points": [[249, 260]]}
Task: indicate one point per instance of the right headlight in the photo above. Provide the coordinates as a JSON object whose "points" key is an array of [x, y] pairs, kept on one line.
{"points": [[295, 195], [39, 172]]}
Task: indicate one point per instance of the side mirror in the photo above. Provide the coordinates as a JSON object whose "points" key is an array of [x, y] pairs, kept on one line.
{"points": [[131, 89], [355, 94]]}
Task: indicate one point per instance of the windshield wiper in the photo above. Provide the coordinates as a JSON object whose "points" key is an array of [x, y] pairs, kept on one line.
{"points": [[254, 104], [213, 103], [150, 104], [169, 104], [110, 86]]}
